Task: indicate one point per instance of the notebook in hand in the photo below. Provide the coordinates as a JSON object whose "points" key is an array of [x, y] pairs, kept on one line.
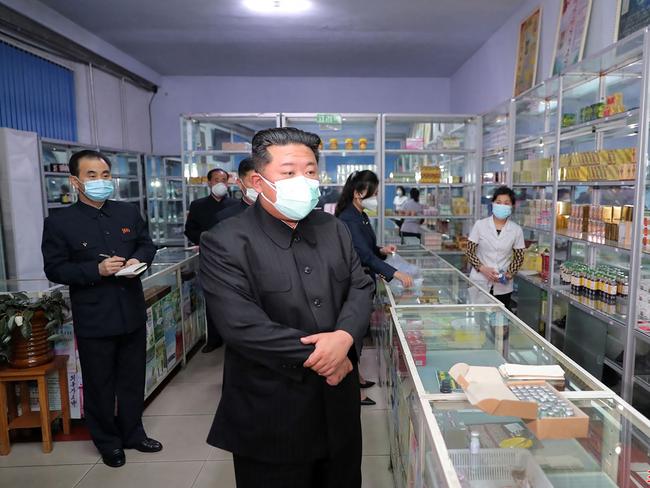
{"points": [[133, 270]]}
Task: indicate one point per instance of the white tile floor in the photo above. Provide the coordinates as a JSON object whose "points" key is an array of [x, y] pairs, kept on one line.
{"points": [[180, 417]]}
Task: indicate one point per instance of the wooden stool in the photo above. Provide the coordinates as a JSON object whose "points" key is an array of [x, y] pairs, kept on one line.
{"points": [[9, 418]]}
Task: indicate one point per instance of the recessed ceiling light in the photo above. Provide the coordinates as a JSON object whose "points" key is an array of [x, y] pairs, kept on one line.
{"points": [[278, 6]]}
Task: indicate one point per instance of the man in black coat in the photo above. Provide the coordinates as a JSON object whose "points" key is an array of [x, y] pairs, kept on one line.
{"points": [[203, 212], [201, 218], [249, 194], [293, 305], [84, 246]]}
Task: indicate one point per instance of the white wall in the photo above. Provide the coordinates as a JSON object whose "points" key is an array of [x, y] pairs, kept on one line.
{"points": [[179, 95], [487, 78]]}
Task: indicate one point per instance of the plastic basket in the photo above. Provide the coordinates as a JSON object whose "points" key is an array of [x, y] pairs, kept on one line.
{"points": [[499, 467]]}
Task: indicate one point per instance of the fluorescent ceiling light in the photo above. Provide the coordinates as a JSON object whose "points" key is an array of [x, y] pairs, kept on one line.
{"points": [[278, 6]]}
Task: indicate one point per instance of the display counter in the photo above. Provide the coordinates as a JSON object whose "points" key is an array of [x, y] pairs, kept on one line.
{"points": [[431, 432], [176, 320]]}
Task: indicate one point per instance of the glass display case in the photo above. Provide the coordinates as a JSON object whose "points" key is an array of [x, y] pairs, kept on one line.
{"points": [[439, 438], [496, 156], [126, 168], [436, 156], [176, 320], [349, 145], [165, 200], [210, 141]]}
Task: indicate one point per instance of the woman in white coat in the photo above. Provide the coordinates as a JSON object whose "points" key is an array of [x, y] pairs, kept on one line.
{"points": [[496, 247]]}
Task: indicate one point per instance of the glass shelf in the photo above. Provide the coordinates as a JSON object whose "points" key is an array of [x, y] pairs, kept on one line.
{"points": [[441, 287], [352, 146]]}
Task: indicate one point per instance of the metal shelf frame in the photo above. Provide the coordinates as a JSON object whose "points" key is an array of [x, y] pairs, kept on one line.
{"points": [[638, 122]]}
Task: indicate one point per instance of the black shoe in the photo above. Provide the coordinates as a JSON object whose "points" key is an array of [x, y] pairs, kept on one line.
{"points": [[115, 458], [368, 402], [368, 384], [147, 445]]}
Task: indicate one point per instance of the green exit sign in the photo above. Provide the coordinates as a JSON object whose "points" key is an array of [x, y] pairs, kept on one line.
{"points": [[329, 119]]}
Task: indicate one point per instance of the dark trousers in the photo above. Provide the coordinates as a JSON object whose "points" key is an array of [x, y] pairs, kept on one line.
{"points": [[213, 339], [113, 368], [344, 472], [505, 299]]}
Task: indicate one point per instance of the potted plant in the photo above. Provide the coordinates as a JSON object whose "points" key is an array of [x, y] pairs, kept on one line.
{"points": [[28, 326]]}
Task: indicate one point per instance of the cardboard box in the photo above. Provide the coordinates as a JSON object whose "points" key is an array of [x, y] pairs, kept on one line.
{"points": [[236, 146], [486, 389]]}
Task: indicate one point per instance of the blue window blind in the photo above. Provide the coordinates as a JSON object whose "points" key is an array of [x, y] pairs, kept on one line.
{"points": [[36, 95]]}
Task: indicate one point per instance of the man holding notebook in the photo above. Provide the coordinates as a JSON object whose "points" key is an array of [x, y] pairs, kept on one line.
{"points": [[98, 248]]}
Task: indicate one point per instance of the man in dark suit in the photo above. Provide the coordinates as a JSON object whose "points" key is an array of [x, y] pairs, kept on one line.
{"points": [[293, 305], [84, 246], [202, 217], [203, 212], [249, 194]]}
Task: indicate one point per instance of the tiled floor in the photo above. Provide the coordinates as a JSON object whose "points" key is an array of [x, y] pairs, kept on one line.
{"points": [[179, 417]]}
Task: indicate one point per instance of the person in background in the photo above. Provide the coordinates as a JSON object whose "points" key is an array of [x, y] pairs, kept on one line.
{"points": [[203, 212], [202, 217], [359, 193], [249, 194], [400, 198], [84, 246], [496, 247], [293, 304], [411, 227]]}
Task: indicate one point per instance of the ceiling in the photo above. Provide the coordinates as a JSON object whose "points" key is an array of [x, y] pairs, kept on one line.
{"points": [[359, 38]]}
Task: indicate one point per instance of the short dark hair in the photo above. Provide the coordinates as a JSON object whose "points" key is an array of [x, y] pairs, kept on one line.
{"points": [[246, 165], [281, 136], [415, 194], [216, 170], [504, 190], [87, 154]]}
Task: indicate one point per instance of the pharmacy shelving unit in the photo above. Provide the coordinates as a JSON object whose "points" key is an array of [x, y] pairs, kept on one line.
{"points": [[421, 333], [581, 141], [439, 155], [210, 140], [57, 191], [496, 154], [166, 205], [350, 144]]}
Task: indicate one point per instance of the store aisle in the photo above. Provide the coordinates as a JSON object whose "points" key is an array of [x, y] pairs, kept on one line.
{"points": [[180, 417]]}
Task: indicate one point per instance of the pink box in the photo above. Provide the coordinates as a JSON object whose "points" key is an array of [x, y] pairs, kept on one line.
{"points": [[415, 143]]}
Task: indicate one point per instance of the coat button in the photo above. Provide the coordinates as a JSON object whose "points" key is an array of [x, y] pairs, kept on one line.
{"points": [[296, 239], [317, 302], [108, 233], [307, 270]]}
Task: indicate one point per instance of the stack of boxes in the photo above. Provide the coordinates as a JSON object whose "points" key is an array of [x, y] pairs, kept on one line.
{"points": [[597, 223], [533, 171], [603, 165], [417, 347], [459, 206], [534, 213], [432, 240], [430, 174]]}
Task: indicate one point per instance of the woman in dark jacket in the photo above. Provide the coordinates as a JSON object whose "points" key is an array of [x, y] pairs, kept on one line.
{"points": [[359, 193]]}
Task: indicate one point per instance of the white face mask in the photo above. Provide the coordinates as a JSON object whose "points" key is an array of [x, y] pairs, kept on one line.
{"points": [[370, 203], [220, 190], [294, 197], [251, 194], [399, 193]]}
